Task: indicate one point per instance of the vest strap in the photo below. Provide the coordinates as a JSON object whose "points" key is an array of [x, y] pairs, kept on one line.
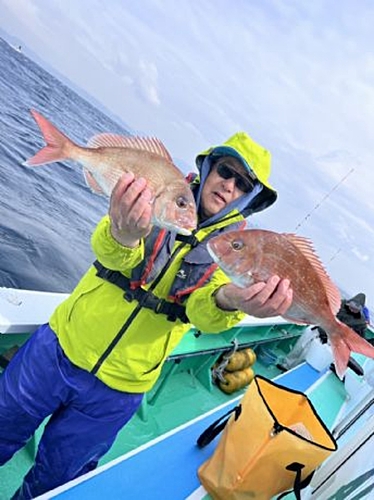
{"points": [[144, 297], [190, 239]]}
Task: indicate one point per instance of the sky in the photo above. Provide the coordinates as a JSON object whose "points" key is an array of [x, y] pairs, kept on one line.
{"points": [[296, 75]]}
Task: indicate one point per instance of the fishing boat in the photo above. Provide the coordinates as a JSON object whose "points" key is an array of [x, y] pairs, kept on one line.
{"points": [[156, 457]]}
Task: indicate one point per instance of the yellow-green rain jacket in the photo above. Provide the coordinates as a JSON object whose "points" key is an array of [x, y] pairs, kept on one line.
{"points": [[90, 319]]}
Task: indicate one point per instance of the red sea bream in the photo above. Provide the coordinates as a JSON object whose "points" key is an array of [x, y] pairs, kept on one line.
{"points": [[255, 255], [108, 156]]}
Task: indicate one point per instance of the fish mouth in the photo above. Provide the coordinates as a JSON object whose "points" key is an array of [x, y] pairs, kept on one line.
{"points": [[180, 230], [184, 231], [183, 227], [173, 227]]}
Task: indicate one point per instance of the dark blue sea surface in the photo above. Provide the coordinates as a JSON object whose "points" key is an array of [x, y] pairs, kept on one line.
{"points": [[47, 213]]}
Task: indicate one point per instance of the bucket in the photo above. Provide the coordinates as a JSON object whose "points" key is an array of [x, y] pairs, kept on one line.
{"points": [[319, 356]]}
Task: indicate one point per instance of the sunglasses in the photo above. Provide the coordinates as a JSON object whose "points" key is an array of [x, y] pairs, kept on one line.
{"points": [[245, 184]]}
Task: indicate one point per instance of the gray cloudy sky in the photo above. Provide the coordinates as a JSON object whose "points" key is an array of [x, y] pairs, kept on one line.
{"points": [[298, 76]]}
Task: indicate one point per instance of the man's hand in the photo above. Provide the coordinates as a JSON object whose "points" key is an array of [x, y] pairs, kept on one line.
{"points": [[262, 300], [130, 210]]}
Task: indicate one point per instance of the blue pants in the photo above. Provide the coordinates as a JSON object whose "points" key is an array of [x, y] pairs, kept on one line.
{"points": [[86, 414]]}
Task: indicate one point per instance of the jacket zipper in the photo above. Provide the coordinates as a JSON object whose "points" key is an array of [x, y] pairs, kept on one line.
{"points": [[132, 316]]}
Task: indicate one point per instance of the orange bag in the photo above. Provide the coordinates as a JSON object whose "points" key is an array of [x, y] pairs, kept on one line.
{"points": [[273, 443]]}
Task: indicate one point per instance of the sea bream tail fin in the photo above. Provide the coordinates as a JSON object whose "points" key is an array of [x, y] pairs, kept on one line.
{"points": [[344, 340], [58, 145]]}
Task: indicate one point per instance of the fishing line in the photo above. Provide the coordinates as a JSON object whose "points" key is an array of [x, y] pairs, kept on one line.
{"points": [[334, 255], [323, 199]]}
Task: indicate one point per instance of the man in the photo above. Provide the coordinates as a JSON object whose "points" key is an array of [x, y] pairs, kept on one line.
{"points": [[351, 313], [105, 346]]}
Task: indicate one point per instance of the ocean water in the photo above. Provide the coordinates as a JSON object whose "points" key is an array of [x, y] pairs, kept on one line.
{"points": [[47, 213]]}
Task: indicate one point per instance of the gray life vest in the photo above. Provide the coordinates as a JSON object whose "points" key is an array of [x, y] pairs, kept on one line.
{"points": [[195, 270], [196, 267]]}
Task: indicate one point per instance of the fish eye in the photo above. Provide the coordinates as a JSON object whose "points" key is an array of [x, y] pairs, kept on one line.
{"points": [[181, 202], [237, 245]]}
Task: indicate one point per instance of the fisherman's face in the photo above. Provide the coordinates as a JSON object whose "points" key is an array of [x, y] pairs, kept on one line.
{"points": [[354, 309], [219, 191]]}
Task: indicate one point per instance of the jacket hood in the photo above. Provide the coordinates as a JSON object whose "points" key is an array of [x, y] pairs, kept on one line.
{"points": [[358, 300], [254, 158]]}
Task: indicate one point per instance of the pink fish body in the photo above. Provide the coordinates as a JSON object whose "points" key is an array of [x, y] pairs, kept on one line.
{"points": [[255, 255], [109, 156]]}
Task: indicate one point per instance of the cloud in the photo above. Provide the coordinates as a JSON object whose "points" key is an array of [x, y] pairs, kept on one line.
{"points": [[361, 256], [148, 82], [30, 11]]}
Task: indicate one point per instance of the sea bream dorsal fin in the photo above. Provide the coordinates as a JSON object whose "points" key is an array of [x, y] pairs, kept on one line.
{"points": [[305, 245], [150, 144]]}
